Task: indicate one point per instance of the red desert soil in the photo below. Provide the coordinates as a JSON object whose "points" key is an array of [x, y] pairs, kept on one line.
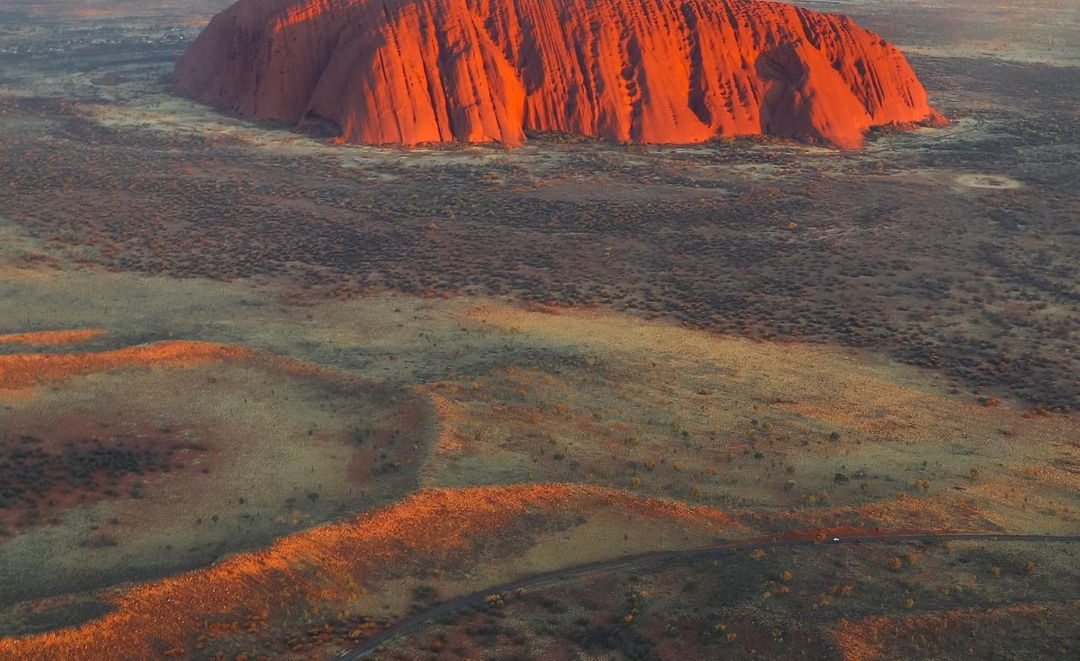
{"points": [[52, 338], [879, 638], [27, 370], [665, 71], [63, 462], [323, 564]]}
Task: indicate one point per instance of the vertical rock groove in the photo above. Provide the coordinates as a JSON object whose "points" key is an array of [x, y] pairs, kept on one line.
{"points": [[651, 71]]}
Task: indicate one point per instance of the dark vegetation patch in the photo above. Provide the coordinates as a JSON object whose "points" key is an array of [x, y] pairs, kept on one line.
{"points": [[995, 600], [50, 615], [38, 478]]}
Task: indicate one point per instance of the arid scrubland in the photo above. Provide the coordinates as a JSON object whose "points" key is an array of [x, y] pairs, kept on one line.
{"points": [[265, 397]]}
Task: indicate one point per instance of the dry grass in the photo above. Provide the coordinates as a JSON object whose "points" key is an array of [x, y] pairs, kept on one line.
{"points": [[328, 566], [28, 370], [977, 633], [52, 338]]}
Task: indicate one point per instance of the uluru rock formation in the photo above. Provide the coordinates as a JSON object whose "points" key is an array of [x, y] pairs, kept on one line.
{"points": [[648, 71]]}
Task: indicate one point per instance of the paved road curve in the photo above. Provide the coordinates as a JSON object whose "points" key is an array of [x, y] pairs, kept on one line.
{"points": [[460, 603]]}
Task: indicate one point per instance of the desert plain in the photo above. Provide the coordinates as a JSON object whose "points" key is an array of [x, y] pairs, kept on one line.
{"points": [[263, 396]]}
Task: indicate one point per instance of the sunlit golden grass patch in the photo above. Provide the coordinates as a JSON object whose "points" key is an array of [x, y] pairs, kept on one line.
{"points": [[331, 567], [52, 338]]}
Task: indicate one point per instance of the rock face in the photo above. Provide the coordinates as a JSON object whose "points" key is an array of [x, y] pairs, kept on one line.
{"points": [[648, 71]]}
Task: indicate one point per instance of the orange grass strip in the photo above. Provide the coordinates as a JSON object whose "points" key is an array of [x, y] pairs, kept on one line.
{"points": [[52, 338], [328, 563], [879, 637], [27, 370]]}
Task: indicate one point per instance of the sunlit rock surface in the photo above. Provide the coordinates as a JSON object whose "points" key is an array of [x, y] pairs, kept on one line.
{"points": [[647, 71]]}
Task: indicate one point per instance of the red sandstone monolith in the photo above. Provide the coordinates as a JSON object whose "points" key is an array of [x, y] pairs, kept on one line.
{"points": [[647, 71]]}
